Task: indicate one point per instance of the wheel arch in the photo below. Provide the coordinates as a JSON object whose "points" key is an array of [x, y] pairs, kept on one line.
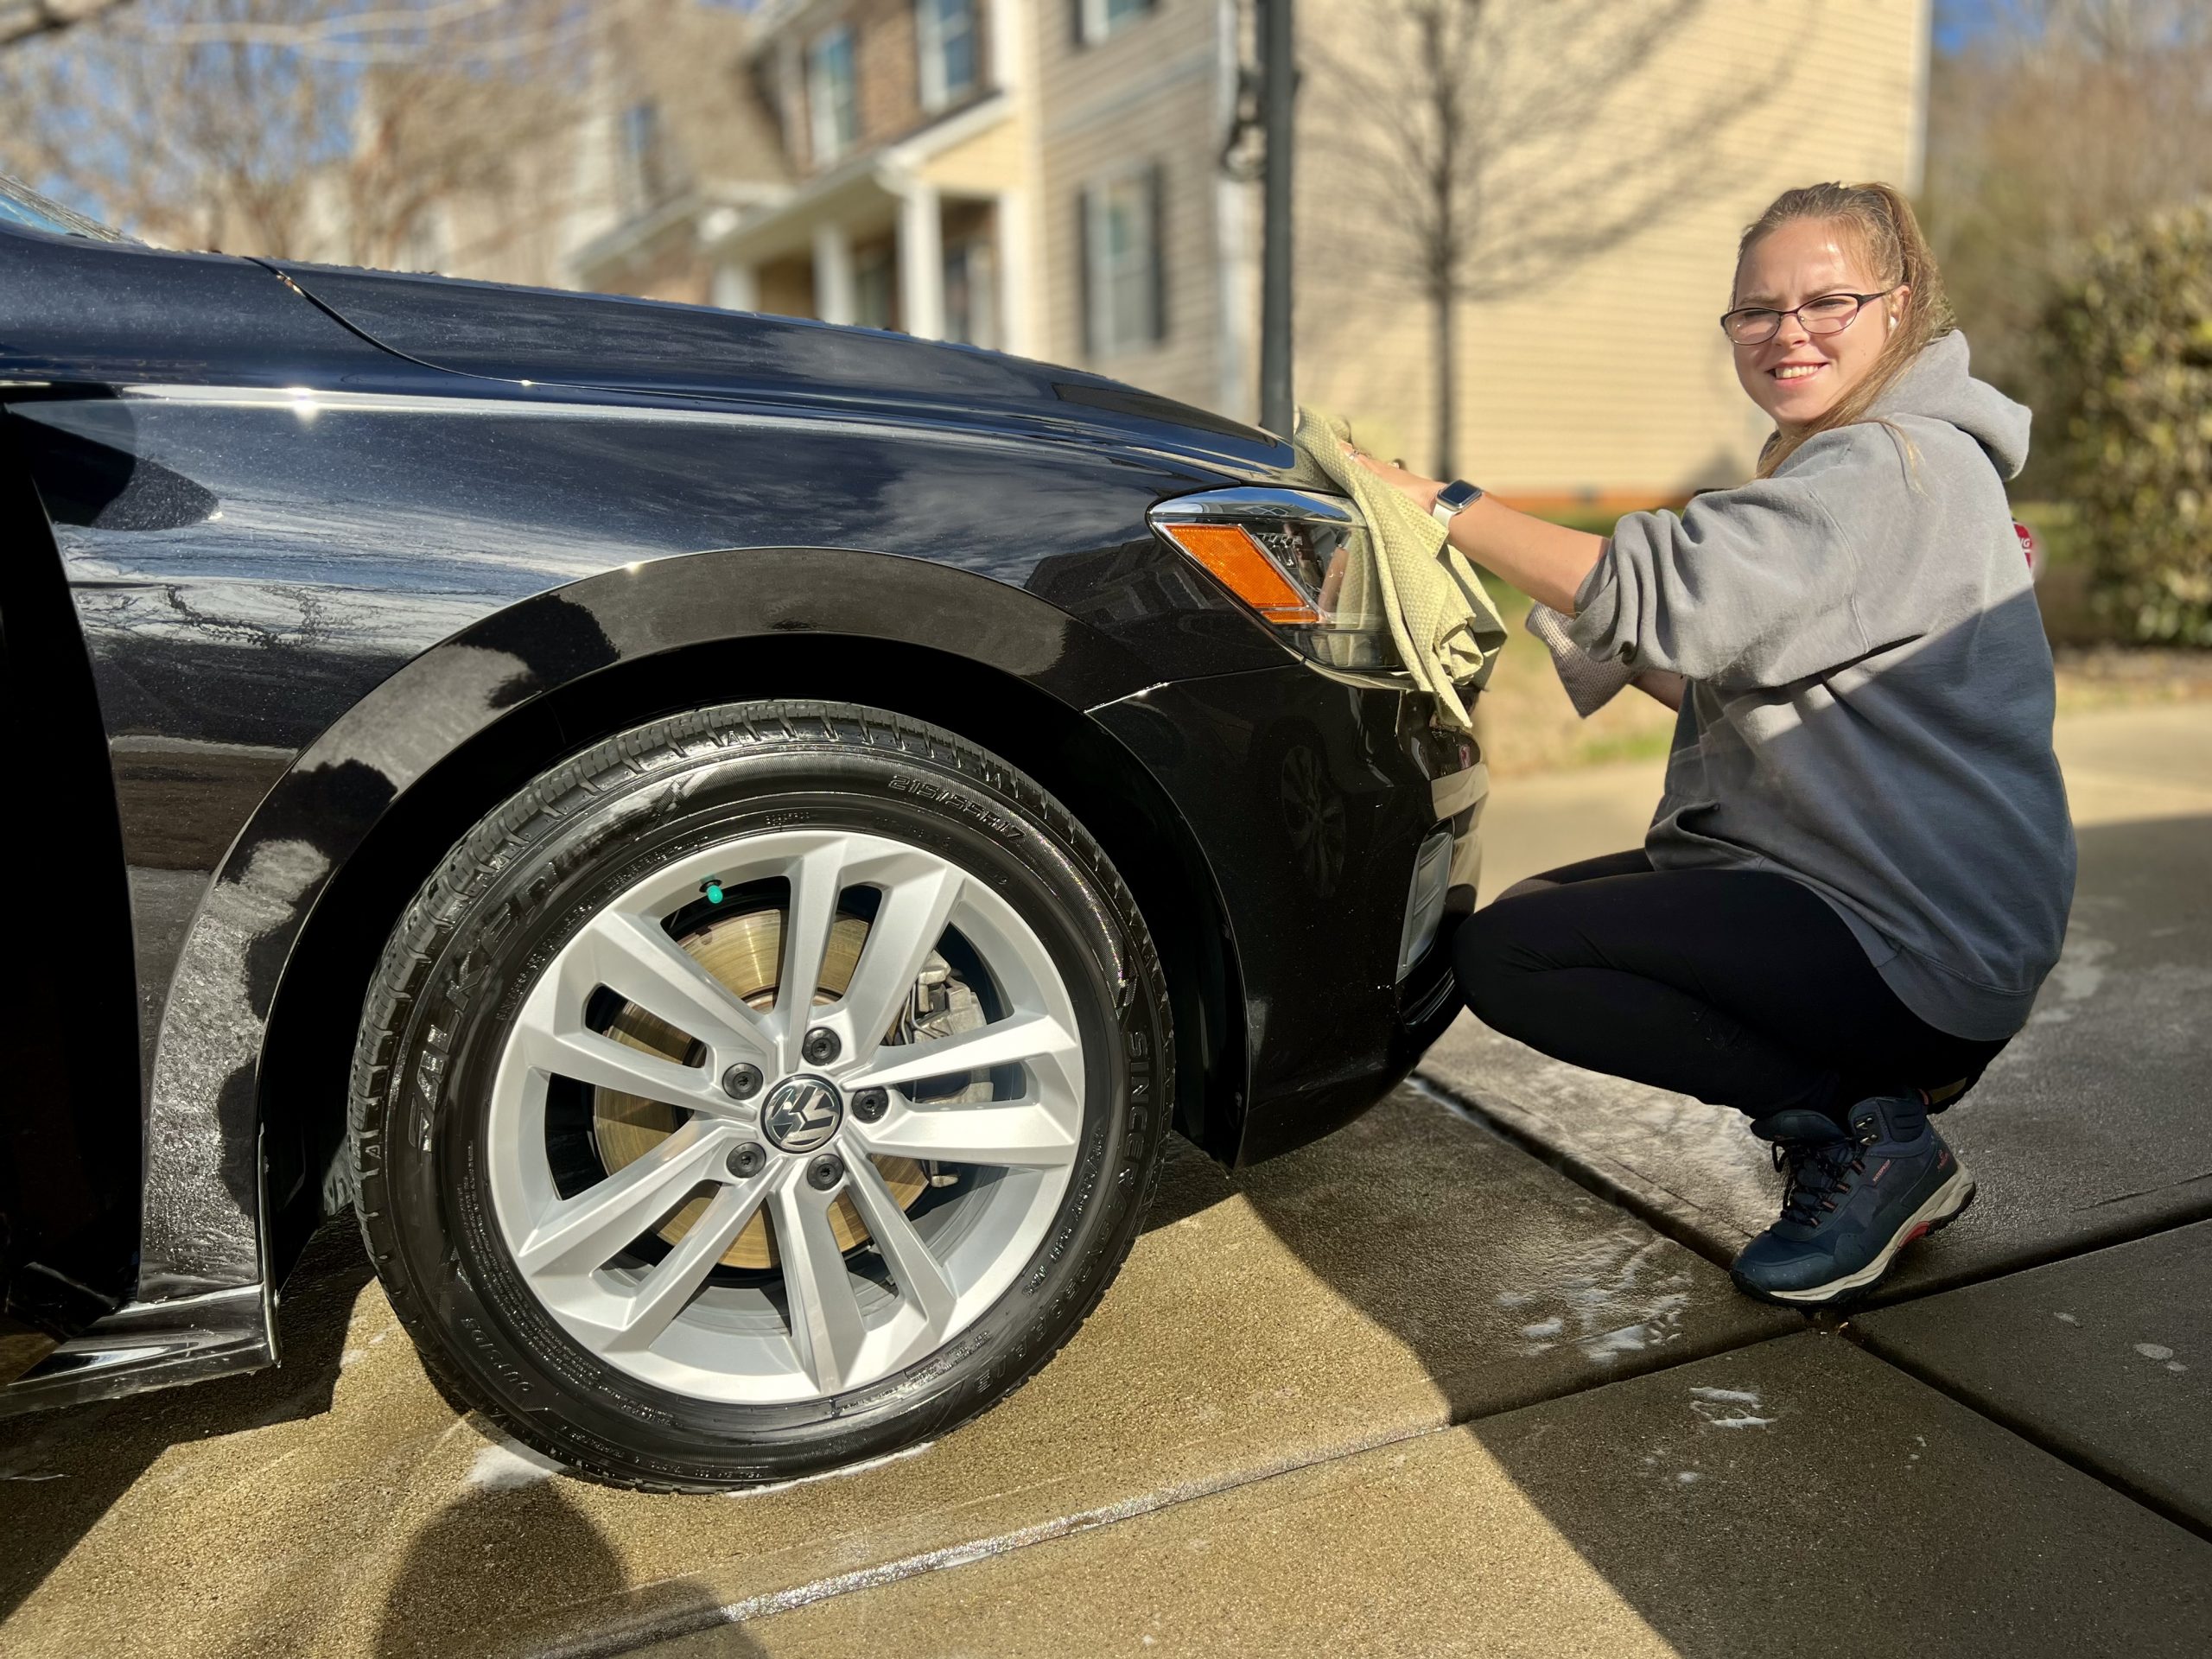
{"points": [[300, 1071]]}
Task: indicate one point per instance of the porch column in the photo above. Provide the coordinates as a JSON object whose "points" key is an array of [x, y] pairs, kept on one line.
{"points": [[736, 288], [921, 262], [1016, 321], [833, 273]]}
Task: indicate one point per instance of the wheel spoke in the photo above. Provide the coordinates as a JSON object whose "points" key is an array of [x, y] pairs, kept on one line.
{"points": [[588, 1230], [921, 1276], [605, 1064], [817, 879], [1034, 1038], [907, 926], [1004, 1135], [827, 1327], [634, 956], [668, 1287]]}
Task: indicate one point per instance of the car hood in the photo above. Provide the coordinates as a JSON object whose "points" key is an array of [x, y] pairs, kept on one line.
{"points": [[544, 336]]}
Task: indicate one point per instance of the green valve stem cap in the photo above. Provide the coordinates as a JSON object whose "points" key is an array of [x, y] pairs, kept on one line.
{"points": [[714, 892]]}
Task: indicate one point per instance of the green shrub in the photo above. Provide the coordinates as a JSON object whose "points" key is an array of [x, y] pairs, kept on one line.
{"points": [[2132, 343]]}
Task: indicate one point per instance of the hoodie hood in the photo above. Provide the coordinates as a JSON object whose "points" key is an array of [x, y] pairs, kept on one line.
{"points": [[1937, 387]]}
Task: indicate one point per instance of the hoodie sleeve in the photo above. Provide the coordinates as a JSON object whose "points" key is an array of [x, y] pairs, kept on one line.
{"points": [[1752, 587]]}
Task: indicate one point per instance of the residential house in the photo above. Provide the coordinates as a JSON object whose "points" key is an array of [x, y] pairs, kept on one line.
{"points": [[679, 138], [1032, 178], [1048, 177]]}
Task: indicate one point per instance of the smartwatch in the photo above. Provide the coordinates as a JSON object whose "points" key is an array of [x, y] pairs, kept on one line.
{"points": [[1454, 497]]}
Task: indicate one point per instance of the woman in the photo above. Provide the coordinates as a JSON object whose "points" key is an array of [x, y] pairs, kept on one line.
{"points": [[1861, 870]]}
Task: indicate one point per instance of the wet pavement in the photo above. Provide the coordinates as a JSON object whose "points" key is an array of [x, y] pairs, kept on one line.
{"points": [[1342, 1298], [2105, 1358], [1466, 1376], [1703, 1510]]}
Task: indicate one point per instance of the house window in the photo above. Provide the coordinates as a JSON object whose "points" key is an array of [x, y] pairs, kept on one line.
{"points": [[1100, 19], [946, 31], [874, 288], [1124, 270], [645, 156], [829, 96], [970, 304]]}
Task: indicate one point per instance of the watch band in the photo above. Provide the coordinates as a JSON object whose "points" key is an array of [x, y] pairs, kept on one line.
{"points": [[1455, 497]]}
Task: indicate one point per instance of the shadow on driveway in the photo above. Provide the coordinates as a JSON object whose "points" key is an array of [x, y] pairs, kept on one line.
{"points": [[498, 1560], [63, 1470]]}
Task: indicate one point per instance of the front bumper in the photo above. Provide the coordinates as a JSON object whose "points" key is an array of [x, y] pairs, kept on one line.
{"points": [[1312, 796]]}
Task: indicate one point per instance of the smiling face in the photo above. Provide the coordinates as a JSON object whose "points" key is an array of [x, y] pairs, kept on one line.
{"points": [[1798, 376]]}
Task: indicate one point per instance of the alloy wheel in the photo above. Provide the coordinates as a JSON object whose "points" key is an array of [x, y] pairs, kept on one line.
{"points": [[619, 1172]]}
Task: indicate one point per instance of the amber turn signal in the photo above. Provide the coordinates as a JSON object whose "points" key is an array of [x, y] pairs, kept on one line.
{"points": [[1239, 564]]}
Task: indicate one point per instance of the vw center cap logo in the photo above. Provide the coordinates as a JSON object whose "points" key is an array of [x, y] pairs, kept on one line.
{"points": [[802, 1113]]}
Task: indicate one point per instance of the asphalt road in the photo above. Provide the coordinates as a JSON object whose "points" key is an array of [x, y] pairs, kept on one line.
{"points": [[1465, 1377]]}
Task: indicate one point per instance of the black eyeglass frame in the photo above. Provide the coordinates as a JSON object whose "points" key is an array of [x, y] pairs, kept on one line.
{"points": [[1796, 311]]}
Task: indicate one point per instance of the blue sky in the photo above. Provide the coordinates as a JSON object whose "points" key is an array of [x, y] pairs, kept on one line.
{"points": [[1958, 21]]}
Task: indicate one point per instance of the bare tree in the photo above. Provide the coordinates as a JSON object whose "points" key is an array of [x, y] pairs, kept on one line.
{"points": [[2100, 30], [21, 19], [1463, 126], [291, 128]]}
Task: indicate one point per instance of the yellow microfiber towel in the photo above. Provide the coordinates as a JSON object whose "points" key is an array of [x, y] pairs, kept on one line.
{"points": [[1447, 631]]}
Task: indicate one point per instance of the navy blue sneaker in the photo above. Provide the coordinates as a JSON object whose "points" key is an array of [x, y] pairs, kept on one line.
{"points": [[1856, 1196]]}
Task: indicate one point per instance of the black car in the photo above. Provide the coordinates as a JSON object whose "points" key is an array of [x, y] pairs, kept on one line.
{"points": [[451, 723]]}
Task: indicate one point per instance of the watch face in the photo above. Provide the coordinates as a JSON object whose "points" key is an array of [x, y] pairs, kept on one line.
{"points": [[1456, 494]]}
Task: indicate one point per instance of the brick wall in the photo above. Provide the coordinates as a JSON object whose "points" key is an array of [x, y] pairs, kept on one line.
{"points": [[886, 72], [785, 287]]}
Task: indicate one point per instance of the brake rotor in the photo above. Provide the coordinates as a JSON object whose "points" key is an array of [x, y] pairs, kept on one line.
{"points": [[745, 953]]}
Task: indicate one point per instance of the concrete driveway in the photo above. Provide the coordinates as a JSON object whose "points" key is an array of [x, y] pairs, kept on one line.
{"points": [[1465, 1377]]}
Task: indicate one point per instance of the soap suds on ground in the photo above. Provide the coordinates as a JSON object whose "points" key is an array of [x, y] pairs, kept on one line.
{"points": [[1615, 1294], [1728, 1408], [505, 1464]]}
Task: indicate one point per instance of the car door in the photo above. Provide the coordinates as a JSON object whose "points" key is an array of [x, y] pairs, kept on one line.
{"points": [[69, 1050]]}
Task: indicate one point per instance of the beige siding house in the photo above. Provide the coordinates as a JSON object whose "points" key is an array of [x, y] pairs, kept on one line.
{"points": [[1611, 380], [1047, 177]]}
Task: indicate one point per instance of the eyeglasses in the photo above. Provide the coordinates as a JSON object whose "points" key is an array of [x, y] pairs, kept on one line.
{"points": [[1831, 314]]}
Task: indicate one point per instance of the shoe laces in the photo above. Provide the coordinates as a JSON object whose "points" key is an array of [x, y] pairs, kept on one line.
{"points": [[1819, 1172]]}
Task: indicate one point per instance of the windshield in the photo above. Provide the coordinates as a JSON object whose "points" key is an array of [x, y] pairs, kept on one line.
{"points": [[21, 205]]}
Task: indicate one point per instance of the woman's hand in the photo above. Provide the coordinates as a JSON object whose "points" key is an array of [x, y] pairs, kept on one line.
{"points": [[1546, 561], [1421, 492]]}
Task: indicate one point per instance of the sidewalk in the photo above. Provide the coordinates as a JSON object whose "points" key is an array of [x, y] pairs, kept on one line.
{"points": [[1465, 1377]]}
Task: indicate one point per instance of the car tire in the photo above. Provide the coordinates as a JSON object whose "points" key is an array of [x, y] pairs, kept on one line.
{"points": [[486, 1206]]}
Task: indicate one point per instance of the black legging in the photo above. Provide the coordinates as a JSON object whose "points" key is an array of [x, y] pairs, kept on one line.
{"points": [[1740, 987]]}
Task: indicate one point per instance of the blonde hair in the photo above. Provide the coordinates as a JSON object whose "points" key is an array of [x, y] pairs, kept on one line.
{"points": [[1881, 221]]}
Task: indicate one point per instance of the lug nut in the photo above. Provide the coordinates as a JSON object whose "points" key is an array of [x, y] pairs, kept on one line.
{"points": [[825, 1171], [868, 1104], [741, 1082], [821, 1045], [748, 1159]]}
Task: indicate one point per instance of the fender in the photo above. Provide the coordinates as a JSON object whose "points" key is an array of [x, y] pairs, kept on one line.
{"points": [[205, 1291]]}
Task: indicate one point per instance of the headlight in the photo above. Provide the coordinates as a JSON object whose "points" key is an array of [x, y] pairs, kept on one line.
{"points": [[1298, 558]]}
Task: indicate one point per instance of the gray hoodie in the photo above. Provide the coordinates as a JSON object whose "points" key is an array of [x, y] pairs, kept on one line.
{"points": [[1871, 692]]}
